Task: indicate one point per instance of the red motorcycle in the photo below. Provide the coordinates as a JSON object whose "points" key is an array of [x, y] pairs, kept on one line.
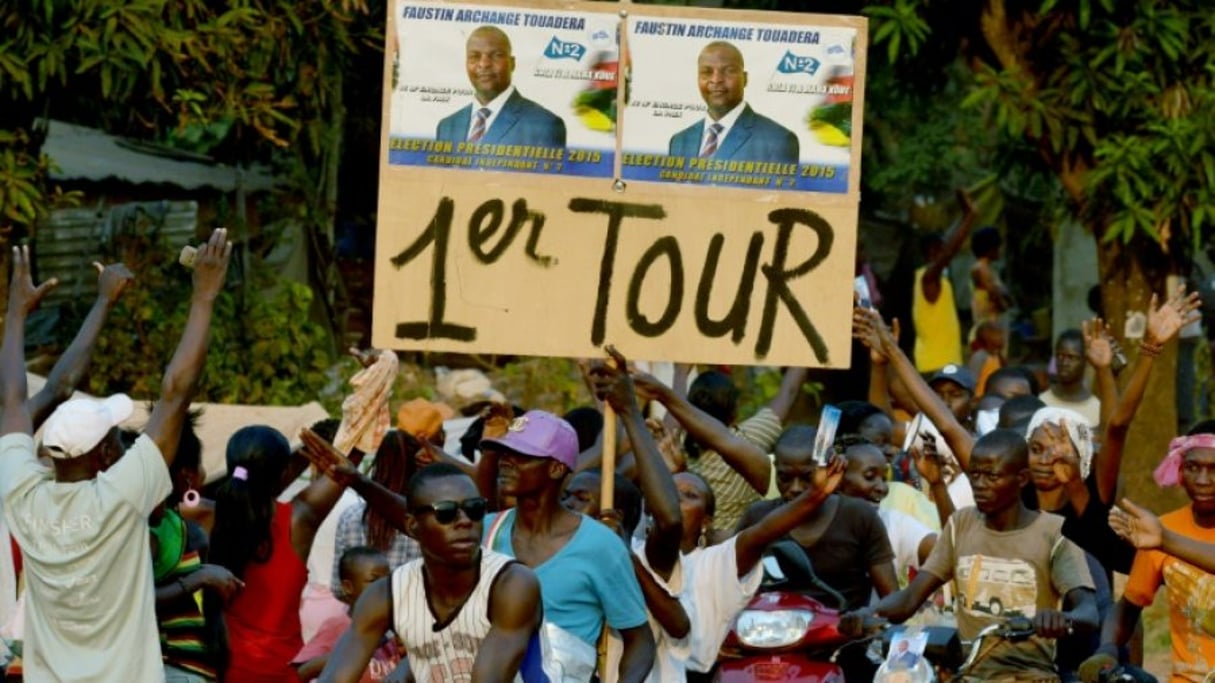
{"points": [[783, 636]]}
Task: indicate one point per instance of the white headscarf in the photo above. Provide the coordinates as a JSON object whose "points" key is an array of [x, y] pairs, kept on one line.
{"points": [[1078, 430]]}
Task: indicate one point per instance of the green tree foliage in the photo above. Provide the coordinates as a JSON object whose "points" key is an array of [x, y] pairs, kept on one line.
{"points": [[268, 71], [1113, 98]]}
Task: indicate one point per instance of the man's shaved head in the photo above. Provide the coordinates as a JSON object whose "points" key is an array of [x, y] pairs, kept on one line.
{"points": [[724, 48], [490, 32]]}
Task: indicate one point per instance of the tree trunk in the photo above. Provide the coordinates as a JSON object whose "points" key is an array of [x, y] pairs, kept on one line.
{"points": [[1129, 275]]}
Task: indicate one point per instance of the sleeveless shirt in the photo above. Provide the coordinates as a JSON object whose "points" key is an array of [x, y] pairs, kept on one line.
{"points": [[443, 651]]}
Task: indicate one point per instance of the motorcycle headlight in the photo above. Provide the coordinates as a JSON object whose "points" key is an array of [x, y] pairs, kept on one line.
{"points": [[772, 629]]}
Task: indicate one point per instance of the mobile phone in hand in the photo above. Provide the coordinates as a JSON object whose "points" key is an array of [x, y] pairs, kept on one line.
{"points": [[824, 439], [864, 298]]}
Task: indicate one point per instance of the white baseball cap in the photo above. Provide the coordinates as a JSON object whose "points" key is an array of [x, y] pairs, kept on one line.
{"points": [[76, 427]]}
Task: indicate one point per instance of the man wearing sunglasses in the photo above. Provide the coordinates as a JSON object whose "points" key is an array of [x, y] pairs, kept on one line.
{"points": [[457, 610], [584, 568]]}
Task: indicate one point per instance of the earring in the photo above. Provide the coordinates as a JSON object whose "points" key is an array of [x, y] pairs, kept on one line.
{"points": [[702, 540], [190, 498]]}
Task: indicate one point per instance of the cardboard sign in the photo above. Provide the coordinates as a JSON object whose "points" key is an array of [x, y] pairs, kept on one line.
{"points": [[527, 207]]}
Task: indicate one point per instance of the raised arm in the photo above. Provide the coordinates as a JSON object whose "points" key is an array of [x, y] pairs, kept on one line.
{"points": [[790, 388], [23, 297], [70, 369], [868, 327], [313, 504], [1099, 350], [181, 377], [879, 381], [1164, 324], [615, 386], [372, 618], [928, 464], [392, 506], [514, 617], [953, 244], [1143, 530], [751, 542], [739, 453]]}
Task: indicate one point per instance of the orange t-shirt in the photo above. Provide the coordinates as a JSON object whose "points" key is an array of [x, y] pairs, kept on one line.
{"points": [[1191, 594]]}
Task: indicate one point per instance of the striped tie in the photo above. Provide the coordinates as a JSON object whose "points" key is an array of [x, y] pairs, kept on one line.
{"points": [[711, 141], [478, 130]]}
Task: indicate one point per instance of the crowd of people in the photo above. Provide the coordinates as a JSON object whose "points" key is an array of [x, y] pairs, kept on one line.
{"points": [[954, 495]]}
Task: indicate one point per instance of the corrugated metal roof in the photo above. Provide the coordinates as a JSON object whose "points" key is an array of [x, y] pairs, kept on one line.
{"points": [[67, 245], [83, 153]]}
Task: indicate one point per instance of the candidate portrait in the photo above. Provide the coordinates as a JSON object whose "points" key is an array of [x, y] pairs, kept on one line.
{"points": [[731, 130], [498, 113]]}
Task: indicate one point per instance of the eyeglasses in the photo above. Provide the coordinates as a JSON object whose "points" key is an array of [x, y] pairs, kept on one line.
{"points": [[446, 510]]}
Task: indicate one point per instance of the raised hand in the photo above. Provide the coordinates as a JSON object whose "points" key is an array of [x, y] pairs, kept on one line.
{"points": [[967, 203], [1062, 452], [211, 265], [23, 296], [1139, 527], [870, 330], [1166, 321], [1097, 343], [112, 281], [612, 383], [928, 459], [497, 417], [647, 386], [327, 458], [827, 479], [668, 445]]}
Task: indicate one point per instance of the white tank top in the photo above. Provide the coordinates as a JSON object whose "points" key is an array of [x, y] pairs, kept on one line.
{"points": [[443, 652]]}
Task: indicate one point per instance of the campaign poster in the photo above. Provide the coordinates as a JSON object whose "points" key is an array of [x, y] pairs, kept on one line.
{"points": [[741, 103], [498, 88]]}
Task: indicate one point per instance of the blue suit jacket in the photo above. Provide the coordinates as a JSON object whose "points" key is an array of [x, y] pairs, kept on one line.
{"points": [[520, 122], [752, 138]]}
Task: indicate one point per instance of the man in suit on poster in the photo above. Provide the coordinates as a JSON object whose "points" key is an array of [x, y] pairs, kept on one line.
{"points": [[498, 113], [731, 130]]}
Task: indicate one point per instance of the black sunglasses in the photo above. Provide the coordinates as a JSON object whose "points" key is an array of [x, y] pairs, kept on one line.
{"points": [[446, 510]]}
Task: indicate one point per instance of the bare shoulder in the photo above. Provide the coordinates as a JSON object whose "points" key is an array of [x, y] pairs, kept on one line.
{"points": [[515, 597]]}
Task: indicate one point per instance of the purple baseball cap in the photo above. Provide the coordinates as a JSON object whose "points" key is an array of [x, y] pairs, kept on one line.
{"points": [[540, 434]]}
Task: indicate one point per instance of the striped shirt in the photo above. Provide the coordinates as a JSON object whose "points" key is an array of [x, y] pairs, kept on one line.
{"points": [[443, 651], [183, 635], [732, 491]]}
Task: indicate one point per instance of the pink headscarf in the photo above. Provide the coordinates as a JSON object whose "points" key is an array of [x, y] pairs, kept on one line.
{"points": [[1168, 472]]}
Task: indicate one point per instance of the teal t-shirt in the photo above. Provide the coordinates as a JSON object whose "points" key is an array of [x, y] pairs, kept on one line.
{"points": [[588, 581]]}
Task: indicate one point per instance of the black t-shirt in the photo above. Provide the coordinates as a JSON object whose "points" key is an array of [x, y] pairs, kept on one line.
{"points": [[1091, 530], [854, 541]]}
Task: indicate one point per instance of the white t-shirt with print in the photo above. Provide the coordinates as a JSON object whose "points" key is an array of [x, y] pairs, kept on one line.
{"points": [[89, 601]]}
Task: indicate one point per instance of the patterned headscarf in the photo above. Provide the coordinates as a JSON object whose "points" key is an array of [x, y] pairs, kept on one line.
{"points": [[1078, 431], [1168, 472]]}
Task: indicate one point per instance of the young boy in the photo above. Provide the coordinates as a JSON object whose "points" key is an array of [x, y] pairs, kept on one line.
{"points": [[1007, 560], [358, 567]]}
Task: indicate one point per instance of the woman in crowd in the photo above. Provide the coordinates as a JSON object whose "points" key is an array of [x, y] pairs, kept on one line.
{"points": [[264, 542]]}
